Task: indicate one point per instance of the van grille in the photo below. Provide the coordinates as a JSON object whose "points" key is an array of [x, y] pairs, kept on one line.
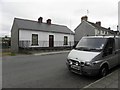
{"points": [[79, 63], [74, 62]]}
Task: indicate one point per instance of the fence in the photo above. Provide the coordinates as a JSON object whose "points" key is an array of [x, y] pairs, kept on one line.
{"points": [[28, 44], [5, 46]]}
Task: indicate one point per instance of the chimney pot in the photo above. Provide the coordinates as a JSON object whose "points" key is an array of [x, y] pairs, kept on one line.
{"points": [[84, 18], [117, 28], [40, 20], [98, 23], [49, 21], [109, 28]]}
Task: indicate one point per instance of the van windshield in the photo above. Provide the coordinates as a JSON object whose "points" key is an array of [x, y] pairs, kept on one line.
{"points": [[91, 44]]}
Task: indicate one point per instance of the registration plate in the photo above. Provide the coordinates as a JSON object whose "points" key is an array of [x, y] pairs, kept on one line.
{"points": [[75, 67]]}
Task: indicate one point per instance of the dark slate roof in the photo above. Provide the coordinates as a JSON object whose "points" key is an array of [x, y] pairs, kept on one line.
{"points": [[101, 28], [34, 25]]}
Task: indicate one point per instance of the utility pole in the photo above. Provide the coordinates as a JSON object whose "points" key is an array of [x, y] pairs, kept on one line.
{"points": [[117, 28], [70, 33]]}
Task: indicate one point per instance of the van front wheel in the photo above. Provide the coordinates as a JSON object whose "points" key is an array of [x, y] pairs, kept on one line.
{"points": [[103, 71]]}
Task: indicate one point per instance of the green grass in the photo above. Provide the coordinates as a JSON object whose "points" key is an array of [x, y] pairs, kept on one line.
{"points": [[13, 54], [7, 54]]}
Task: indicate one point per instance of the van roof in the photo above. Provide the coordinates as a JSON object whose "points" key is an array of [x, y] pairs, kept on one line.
{"points": [[101, 36]]}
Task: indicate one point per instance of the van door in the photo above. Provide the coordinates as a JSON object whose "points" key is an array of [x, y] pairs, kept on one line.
{"points": [[117, 51], [109, 53]]}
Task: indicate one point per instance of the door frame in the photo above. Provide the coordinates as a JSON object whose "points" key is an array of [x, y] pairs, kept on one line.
{"points": [[51, 40]]}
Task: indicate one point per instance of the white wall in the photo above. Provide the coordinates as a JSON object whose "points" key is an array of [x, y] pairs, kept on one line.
{"points": [[43, 38]]}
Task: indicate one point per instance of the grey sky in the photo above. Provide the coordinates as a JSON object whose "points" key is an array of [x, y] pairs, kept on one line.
{"points": [[63, 12]]}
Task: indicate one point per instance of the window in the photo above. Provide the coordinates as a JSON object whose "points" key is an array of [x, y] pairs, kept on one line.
{"points": [[110, 46], [102, 32], [65, 40], [91, 44], [34, 39], [98, 32], [106, 32], [117, 43]]}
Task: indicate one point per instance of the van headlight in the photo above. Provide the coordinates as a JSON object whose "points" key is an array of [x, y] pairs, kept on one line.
{"points": [[69, 61], [76, 63], [91, 63], [87, 64]]}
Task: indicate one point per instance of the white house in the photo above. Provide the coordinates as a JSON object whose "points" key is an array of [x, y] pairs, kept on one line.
{"points": [[89, 28], [32, 34]]}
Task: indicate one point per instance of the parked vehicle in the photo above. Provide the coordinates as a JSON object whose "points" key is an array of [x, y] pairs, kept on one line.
{"points": [[94, 55]]}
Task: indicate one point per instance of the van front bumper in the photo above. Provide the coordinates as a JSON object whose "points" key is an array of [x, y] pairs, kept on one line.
{"points": [[83, 70]]}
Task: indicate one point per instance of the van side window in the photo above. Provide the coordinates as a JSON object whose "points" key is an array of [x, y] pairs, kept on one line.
{"points": [[119, 43], [110, 46]]}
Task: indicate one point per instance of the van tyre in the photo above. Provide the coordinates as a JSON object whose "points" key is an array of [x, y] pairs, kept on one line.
{"points": [[103, 71]]}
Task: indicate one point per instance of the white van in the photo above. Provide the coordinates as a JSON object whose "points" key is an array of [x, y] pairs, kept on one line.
{"points": [[94, 55]]}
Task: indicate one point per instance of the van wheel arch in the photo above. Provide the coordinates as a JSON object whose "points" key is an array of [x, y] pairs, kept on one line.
{"points": [[104, 69]]}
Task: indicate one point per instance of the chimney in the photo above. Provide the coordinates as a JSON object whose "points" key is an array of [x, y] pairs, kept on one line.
{"points": [[109, 28], [40, 20], [49, 21], [117, 28], [84, 18], [98, 23]]}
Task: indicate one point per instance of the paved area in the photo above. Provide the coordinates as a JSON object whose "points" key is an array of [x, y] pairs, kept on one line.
{"points": [[41, 71], [110, 81], [50, 53], [57, 80], [0, 73]]}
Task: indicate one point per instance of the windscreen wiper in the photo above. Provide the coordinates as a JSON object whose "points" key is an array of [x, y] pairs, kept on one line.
{"points": [[83, 48], [95, 49]]}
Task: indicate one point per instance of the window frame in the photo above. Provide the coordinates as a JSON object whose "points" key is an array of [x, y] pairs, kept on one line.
{"points": [[35, 43], [65, 40], [108, 44]]}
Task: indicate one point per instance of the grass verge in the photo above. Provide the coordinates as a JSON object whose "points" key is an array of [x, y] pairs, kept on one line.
{"points": [[7, 54]]}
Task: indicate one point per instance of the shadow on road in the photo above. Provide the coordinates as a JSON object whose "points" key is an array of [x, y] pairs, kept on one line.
{"points": [[93, 77]]}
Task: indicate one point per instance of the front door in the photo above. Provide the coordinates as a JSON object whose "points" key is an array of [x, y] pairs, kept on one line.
{"points": [[51, 41]]}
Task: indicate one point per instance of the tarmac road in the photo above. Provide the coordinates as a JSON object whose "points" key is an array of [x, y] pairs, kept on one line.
{"points": [[48, 71]]}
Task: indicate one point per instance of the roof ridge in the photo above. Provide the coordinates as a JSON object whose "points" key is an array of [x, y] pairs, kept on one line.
{"points": [[25, 19], [98, 26], [23, 23], [36, 21]]}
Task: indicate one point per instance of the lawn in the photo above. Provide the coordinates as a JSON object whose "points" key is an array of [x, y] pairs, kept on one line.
{"points": [[6, 52]]}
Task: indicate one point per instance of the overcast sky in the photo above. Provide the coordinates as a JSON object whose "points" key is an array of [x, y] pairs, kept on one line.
{"points": [[63, 12]]}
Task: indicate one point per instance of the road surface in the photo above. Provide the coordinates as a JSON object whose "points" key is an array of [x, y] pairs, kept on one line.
{"points": [[48, 71]]}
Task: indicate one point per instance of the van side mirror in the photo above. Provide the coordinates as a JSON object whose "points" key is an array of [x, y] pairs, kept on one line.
{"points": [[73, 46], [107, 51]]}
